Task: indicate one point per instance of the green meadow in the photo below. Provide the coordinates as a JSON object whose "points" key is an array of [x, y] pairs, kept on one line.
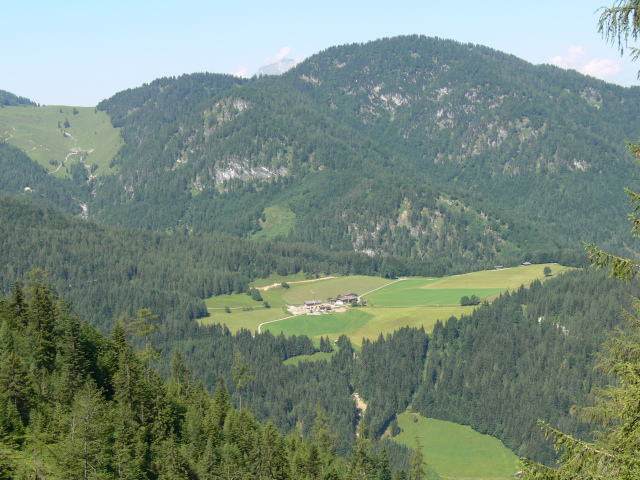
{"points": [[239, 318], [502, 280], [364, 322], [392, 304], [300, 289], [35, 131], [239, 301], [332, 287], [413, 292], [453, 449], [278, 222], [315, 326]]}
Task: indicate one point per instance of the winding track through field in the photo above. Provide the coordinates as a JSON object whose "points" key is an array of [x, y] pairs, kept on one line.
{"points": [[271, 321], [385, 285], [74, 151], [264, 289]]}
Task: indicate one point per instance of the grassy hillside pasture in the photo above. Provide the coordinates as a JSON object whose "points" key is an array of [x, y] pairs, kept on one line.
{"points": [[300, 289], [505, 279], [410, 293], [387, 320], [239, 318], [414, 302], [332, 287], [315, 326], [448, 290], [242, 300], [278, 222], [365, 322], [35, 131], [453, 449]]}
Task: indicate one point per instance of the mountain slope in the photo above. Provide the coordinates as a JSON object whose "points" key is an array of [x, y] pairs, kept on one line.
{"points": [[533, 138], [23, 177], [412, 146], [107, 271]]}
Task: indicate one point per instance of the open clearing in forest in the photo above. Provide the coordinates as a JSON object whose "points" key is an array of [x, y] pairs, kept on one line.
{"points": [[453, 449], [392, 304], [310, 358], [279, 221], [35, 131]]}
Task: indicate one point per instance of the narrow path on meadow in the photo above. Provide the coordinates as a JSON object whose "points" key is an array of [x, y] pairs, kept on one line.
{"points": [[385, 285], [271, 321], [264, 289], [74, 151], [10, 136]]}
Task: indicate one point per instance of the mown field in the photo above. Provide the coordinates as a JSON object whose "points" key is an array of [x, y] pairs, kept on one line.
{"points": [[416, 302], [453, 449], [239, 318], [38, 131]]}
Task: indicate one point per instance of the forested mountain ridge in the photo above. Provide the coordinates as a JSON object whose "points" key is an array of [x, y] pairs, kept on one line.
{"points": [[412, 146], [518, 135], [538, 141], [221, 178], [9, 99], [23, 177]]}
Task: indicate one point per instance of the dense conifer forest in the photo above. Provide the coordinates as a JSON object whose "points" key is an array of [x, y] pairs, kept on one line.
{"points": [[78, 404], [9, 99]]}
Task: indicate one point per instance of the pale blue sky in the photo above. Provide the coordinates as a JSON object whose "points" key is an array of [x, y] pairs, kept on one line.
{"points": [[80, 52]]}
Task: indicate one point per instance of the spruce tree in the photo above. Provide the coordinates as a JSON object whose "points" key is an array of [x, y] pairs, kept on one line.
{"points": [[241, 375], [417, 470], [84, 451], [16, 392], [17, 304]]}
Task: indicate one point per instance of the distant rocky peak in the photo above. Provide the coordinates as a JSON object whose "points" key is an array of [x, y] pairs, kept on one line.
{"points": [[277, 68]]}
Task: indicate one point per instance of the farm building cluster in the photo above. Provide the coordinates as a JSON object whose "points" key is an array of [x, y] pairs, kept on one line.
{"points": [[318, 306]]}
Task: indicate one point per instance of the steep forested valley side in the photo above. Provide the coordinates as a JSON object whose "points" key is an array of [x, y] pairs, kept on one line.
{"points": [[528, 355]]}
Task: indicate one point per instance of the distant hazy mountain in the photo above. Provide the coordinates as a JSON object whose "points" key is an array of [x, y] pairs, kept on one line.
{"points": [[277, 68]]}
